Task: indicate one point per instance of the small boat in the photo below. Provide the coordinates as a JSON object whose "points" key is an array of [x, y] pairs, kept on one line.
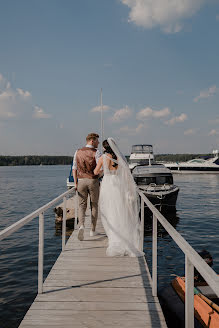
{"points": [[206, 310], [155, 180], [70, 180], [196, 165], [206, 302]]}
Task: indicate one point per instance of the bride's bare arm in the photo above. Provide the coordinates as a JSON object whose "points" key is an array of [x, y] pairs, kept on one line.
{"points": [[99, 165]]}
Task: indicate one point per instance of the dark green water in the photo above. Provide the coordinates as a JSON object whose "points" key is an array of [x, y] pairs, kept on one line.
{"points": [[24, 189]]}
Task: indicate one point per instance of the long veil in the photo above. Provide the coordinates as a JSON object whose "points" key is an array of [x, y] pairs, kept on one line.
{"points": [[129, 197]]}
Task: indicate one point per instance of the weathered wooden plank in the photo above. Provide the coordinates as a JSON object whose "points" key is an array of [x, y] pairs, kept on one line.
{"points": [[96, 306], [67, 325], [100, 284], [80, 262], [94, 324], [90, 318], [94, 276], [93, 268], [95, 295], [106, 261]]}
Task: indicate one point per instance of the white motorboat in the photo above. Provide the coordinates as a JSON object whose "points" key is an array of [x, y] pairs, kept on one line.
{"points": [[155, 180], [196, 165], [141, 155], [70, 180]]}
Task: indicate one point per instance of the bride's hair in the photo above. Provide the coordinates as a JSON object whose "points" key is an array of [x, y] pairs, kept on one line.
{"points": [[109, 150]]}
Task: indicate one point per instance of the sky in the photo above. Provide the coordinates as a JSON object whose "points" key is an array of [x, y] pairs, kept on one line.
{"points": [[157, 62]]}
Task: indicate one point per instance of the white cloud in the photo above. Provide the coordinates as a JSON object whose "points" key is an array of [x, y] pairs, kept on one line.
{"points": [[177, 119], [7, 95], [97, 109], [217, 17], [132, 131], [12, 102], [166, 14], [23, 94], [213, 132], [121, 114], [206, 93], [17, 102], [148, 112], [39, 113], [190, 132]]}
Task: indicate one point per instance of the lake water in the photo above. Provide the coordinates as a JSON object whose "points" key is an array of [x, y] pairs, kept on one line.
{"points": [[23, 189]]}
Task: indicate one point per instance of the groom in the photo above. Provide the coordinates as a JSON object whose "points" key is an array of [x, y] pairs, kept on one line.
{"points": [[84, 163]]}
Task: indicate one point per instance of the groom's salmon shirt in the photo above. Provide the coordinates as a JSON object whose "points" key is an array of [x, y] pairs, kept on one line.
{"points": [[86, 163]]}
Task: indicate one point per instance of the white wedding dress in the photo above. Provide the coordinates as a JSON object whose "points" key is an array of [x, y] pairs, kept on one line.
{"points": [[118, 208]]}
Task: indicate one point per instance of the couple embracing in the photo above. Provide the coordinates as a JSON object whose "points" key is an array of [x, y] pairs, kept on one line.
{"points": [[115, 202]]}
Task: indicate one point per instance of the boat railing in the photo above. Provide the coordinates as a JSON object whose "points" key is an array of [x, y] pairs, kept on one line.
{"points": [[40, 213], [192, 260]]}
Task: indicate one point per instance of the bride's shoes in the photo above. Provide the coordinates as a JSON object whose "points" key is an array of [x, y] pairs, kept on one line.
{"points": [[93, 233]]}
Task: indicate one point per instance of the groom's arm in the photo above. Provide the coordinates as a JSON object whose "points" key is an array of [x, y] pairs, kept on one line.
{"points": [[74, 170], [98, 167], [75, 176]]}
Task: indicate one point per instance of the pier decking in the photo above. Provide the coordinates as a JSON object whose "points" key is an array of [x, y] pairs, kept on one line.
{"points": [[85, 288]]}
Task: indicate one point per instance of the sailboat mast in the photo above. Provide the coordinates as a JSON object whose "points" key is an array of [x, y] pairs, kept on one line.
{"points": [[101, 118]]}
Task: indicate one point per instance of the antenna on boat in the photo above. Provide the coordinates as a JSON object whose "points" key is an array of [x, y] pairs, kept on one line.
{"points": [[101, 119], [149, 158]]}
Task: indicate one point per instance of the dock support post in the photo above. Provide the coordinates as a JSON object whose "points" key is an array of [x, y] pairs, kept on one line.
{"points": [[41, 253], [64, 224], [76, 209], [154, 257], [189, 296], [142, 224]]}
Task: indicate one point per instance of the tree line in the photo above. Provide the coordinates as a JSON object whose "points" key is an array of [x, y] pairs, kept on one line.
{"points": [[179, 157], [35, 160], [67, 160]]}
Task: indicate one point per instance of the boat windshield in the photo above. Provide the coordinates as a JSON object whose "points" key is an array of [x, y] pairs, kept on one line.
{"points": [[197, 160], [146, 149], [160, 180], [140, 161]]}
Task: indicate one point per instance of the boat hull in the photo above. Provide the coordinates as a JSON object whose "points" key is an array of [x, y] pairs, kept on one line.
{"points": [[181, 169], [174, 308], [162, 198]]}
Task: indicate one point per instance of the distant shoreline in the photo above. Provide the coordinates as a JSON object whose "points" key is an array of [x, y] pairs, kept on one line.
{"points": [[34, 160], [67, 160]]}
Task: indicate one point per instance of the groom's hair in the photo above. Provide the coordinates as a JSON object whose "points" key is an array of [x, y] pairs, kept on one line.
{"points": [[92, 136]]}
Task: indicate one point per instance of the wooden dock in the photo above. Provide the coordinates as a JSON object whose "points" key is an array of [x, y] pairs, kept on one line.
{"points": [[85, 288]]}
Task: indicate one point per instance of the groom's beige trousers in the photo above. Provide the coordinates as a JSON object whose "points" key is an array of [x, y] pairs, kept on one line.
{"points": [[85, 187]]}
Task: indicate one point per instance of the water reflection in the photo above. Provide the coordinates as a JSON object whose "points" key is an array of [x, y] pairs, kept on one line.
{"points": [[172, 217], [58, 231]]}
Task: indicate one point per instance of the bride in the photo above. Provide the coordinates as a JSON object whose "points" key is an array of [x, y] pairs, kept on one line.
{"points": [[118, 203]]}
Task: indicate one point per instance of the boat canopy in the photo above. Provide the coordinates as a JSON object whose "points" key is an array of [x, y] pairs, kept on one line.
{"points": [[145, 149], [151, 170]]}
